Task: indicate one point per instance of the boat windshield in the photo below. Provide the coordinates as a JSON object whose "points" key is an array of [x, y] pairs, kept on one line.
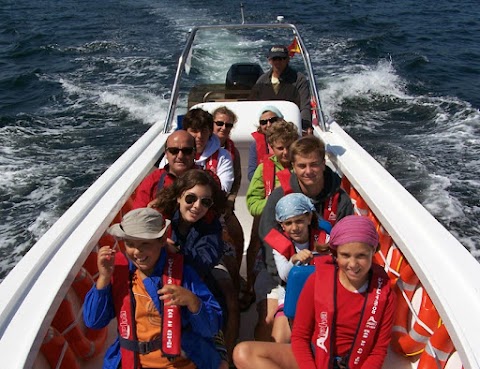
{"points": [[222, 63]]}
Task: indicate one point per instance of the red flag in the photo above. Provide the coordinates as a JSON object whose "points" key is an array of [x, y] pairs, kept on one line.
{"points": [[313, 105], [293, 48]]}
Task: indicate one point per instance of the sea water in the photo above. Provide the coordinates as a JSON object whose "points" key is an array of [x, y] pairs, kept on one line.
{"points": [[81, 81]]}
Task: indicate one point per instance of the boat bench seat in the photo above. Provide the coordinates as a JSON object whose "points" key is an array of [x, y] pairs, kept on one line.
{"points": [[248, 113]]}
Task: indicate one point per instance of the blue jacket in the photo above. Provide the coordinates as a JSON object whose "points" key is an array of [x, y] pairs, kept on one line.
{"points": [[252, 160], [203, 246], [197, 342]]}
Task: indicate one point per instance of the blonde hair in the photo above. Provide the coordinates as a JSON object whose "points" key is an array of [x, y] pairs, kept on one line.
{"points": [[307, 145], [283, 131]]}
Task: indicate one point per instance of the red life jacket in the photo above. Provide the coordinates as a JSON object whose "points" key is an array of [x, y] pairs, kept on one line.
{"points": [[165, 179], [212, 162], [230, 147], [170, 342], [324, 300], [261, 146], [330, 206], [269, 173], [316, 235]]}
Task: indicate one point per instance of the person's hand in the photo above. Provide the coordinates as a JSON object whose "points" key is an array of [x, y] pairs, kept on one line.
{"points": [[153, 203], [230, 206], [173, 247], [176, 295], [303, 256], [322, 248], [105, 264]]}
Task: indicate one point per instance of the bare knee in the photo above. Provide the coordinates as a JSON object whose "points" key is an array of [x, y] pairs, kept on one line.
{"points": [[242, 354]]}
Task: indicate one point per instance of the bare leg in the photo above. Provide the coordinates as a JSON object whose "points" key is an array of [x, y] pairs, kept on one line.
{"points": [[266, 310], [264, 355], [281, 332]]}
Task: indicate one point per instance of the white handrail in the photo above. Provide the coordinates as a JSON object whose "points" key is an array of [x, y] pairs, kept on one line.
{"points": [[27, 306]]}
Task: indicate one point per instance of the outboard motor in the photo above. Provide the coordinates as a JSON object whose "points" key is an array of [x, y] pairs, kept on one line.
{"points": [[242, 76]]}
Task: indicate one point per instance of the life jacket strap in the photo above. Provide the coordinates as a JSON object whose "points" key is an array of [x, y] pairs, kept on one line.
{"points": [[142, 347]]}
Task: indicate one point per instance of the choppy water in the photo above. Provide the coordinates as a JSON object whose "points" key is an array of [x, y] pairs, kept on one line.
{"points": [[81, 81]]}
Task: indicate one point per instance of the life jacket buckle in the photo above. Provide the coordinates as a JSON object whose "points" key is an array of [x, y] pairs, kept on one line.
{"points": [[142, 347], [145, 347]]}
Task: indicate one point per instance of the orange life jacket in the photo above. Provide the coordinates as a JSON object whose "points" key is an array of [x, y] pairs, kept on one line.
{"points": [[170, 341]]}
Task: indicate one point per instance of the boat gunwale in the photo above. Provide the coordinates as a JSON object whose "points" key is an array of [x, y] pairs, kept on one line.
{"points": [[87, 219], [417, 232]]}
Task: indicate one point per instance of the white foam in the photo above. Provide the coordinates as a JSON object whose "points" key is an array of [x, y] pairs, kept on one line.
{"points": [[440, 201], [146, 107], [380, 79], [42, 223]]}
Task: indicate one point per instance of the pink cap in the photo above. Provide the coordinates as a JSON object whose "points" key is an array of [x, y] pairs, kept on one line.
{"points": [[353, 228]]}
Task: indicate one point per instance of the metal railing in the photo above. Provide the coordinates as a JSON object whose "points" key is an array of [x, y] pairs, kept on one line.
{"points": [[186, 54]]}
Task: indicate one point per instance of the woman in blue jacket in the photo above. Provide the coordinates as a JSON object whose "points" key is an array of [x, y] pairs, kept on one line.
{"points": [[193, 203]]}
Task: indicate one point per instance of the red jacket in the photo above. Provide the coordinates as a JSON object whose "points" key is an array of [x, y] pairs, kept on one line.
{"points": [[147, 190]]}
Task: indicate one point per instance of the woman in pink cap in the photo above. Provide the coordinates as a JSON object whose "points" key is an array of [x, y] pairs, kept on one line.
{"points": [[345, 312]]}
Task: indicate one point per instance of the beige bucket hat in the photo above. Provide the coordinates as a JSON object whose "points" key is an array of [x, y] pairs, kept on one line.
{"points": [[140, 224]]}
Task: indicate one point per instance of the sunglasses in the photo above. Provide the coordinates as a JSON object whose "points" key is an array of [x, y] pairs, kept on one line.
{"points": [[219, 123], [279, 58], [265, 121], [204, 201], [184, 150]]}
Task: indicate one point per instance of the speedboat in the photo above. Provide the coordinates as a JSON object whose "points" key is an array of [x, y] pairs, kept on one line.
{"points": [[434, 276]]}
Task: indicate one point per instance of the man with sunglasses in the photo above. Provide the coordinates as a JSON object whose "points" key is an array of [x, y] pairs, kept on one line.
{"points": [[283, 82], [179, 154]]}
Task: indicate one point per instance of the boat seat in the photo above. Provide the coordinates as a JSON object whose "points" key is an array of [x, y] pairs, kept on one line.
{"points": [[248, 113]]}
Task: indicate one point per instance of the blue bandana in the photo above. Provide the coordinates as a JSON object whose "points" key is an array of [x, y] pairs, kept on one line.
{"points": [[292, 205], [271, 108]]}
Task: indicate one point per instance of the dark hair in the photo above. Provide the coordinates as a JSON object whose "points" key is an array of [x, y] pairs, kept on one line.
{"points": [[226, 111], [167, 196], [198, 119], [307, 145]]}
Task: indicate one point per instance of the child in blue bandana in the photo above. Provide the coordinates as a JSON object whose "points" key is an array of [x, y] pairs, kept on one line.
{"points": [[296, 215]]}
